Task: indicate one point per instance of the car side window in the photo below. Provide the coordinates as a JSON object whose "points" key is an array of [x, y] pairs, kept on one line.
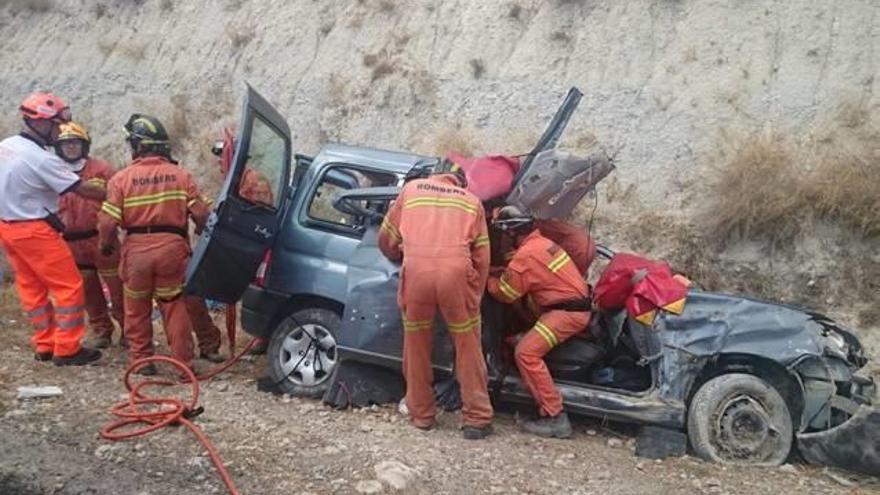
{"points": [[262, 178], [335, 180]]}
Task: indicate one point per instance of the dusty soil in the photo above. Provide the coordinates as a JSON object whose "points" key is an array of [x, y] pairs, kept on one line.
{"points": [[286, 445]]}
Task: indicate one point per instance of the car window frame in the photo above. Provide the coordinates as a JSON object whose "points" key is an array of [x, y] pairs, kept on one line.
{"points": [[279, 197], [311, 222]]}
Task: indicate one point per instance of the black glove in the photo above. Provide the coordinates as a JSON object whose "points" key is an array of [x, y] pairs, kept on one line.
{"points": [[107, 249]]}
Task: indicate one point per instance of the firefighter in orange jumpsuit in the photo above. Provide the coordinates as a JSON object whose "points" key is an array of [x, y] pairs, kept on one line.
{"points": [[545, 274], [439, 230], [151, 200], [49, 286], [80, 216], [570, 237]]}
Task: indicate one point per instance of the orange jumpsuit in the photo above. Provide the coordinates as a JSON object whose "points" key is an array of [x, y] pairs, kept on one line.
{"points": [[80, 216], [440, 232], [151, 200], [570, 237], [545, 273]]}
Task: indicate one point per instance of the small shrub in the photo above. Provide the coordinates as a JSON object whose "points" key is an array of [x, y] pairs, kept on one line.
{"points": [[133, 50], [100, 10], [561, 36], [387, 6], [515, 12], [166, 5], [382, 69], [478, 67], [239, 36]]}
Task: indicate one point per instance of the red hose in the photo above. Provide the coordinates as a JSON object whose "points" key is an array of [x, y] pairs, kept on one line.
{"points": [[152, 413]]}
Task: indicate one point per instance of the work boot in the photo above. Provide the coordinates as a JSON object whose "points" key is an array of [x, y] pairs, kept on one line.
{"points": [[476, 432], [84, 356], [43, 356], [148, 370], [549, 427], [99, 342], [214, 357]]}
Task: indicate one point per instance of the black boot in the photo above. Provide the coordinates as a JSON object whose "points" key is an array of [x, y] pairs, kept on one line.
{"points": [[476, 432], [84, 356], [43, 356], [147, 370], [549, 427]]}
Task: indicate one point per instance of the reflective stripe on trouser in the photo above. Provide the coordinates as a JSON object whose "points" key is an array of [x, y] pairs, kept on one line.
{"points": [[422, 293], [552, 329], [155, 268], [44, 269], [207, 333]]}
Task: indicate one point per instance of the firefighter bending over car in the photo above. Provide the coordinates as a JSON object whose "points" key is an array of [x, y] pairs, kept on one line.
{"points": [[80, 217], [545, 275], [151, 200], [439, 230], [49, 286]]}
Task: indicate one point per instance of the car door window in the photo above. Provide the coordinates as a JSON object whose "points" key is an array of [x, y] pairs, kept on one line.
{"points": [[336, 180], [263, 174]]}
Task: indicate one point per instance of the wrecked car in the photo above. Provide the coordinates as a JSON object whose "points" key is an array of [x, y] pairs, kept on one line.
{"points": [[747, 381]]}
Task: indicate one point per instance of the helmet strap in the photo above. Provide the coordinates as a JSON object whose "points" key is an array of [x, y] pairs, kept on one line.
{"points": [[46, 139]]}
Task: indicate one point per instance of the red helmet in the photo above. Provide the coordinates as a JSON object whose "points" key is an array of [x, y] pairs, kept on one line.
{"points": [[44, 106]]}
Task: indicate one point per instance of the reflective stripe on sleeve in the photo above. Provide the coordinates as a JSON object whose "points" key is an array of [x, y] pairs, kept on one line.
{"points": [[387, 226], [112, 210], [481, 240], [558, 262], [508, 291]]}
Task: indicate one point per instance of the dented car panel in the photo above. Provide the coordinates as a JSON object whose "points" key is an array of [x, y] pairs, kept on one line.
{"points": [[852, 445]]}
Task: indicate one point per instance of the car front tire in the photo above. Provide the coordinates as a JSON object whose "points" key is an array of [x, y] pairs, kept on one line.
{"points": [[740, 419], [302, 352]]}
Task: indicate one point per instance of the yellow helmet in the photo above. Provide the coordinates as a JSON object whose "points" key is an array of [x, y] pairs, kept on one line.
{"points": [[69, 131], [72, 130]]}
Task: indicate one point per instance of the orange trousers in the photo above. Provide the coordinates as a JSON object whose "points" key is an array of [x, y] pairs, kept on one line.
{"points": [[96, 268], [44, 269], [426, 286], [551, 329], [153, 266], [207, 333]]}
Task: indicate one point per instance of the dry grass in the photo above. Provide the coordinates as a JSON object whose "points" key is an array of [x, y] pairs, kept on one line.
{"points": [[100, 10], [133, 50], [239, 36], [387, 6], [515, 12], [441, 140], [774, 188], [561, 36], [166, 5]]}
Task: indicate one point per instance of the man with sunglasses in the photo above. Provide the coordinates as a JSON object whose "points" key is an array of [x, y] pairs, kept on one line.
{"points": [[49, 285]]}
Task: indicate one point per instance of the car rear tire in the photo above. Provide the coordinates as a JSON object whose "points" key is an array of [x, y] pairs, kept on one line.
{"points": [[740, 419], [302, 352]]}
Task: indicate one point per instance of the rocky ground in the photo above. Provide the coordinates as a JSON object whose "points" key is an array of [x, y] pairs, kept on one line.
{"points": [[286, 445]]}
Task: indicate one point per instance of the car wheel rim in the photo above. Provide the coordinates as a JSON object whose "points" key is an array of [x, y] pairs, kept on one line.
{"points": [[308, 355], [744, 430]]}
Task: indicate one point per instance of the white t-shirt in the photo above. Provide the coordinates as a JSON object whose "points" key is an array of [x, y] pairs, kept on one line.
{"points": [[31, 179]]}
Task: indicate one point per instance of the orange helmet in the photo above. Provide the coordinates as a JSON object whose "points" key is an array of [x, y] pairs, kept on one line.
{"points": [[44, 106]]}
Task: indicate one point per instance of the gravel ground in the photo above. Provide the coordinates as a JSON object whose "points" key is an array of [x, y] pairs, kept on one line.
{"points": [[286, 445]]}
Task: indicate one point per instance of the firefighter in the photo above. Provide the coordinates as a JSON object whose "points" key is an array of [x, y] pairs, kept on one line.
{"points": [[439, 231], [31, 180], [545, 274], [151, 200], [572, 238], [80, 216], [207, 333]]}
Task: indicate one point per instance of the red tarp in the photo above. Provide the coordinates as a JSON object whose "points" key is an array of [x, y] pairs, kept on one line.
{"points": [[641, 286], [489, 177]]}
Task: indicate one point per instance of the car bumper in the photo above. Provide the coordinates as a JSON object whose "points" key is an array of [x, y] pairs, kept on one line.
{"points": [[853, 445], [260, 308]]}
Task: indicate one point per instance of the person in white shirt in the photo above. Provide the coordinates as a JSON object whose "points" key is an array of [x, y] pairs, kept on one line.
{"points": [[50, 288]]}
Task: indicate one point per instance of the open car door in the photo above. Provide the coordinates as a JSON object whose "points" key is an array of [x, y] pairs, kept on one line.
{"points": [[249, 209], [550, 183]]}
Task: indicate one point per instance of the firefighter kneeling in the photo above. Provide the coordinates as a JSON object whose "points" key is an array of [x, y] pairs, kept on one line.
{"points": [[152, 199], [544, 274]]}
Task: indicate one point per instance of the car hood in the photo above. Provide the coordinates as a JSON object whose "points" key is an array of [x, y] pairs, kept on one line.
{"points": [[713, 324]]}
